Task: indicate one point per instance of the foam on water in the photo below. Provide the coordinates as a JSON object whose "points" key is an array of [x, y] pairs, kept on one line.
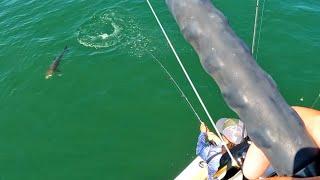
{"points": [[101, 31], [114, 29]]}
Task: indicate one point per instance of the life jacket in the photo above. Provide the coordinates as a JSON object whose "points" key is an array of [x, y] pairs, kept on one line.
{"points": [[238, 152]]}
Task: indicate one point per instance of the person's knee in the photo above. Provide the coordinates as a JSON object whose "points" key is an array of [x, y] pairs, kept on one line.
{"points": [[247, 173], [255, 163], [250, 171]]}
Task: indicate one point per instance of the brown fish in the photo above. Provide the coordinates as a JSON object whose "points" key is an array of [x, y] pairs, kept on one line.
{"points": [[54, 66]]}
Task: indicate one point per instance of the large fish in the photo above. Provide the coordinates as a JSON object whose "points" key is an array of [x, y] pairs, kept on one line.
{"points": [[54, 66], [271, 123]]}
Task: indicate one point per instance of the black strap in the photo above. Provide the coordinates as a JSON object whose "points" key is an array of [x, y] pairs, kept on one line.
{"points": [[210, 158], [236, 151]]}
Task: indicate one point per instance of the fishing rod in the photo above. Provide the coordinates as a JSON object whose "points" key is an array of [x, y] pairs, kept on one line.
{"points": [[183, 95]]}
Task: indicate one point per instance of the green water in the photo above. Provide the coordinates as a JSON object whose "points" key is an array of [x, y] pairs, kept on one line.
{"points": [[112, 113]]}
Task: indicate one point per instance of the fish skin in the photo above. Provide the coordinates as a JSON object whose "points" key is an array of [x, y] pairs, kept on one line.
{"points": [[248, 90]]}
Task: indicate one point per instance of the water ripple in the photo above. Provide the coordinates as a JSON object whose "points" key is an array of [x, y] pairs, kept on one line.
{"points": [[113, 29]]}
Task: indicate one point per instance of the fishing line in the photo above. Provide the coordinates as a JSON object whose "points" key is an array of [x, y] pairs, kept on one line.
{"points": [[315, 101], [255, 28], [190, 81], [259, 38], [254, 46], [260, 27], [177, 86]]}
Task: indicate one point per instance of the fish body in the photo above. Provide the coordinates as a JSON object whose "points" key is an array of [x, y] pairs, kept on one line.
{"points": [[54, 65], [271, 123]]}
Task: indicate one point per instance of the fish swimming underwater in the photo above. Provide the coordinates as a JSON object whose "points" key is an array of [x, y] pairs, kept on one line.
{"points": [[54, 66]]}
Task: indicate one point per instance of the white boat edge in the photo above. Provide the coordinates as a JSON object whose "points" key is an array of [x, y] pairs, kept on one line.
{"points": [[193, 171], [196, 172]]}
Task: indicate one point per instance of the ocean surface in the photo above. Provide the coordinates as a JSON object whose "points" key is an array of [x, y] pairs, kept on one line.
{"points": [[111, 112]]}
